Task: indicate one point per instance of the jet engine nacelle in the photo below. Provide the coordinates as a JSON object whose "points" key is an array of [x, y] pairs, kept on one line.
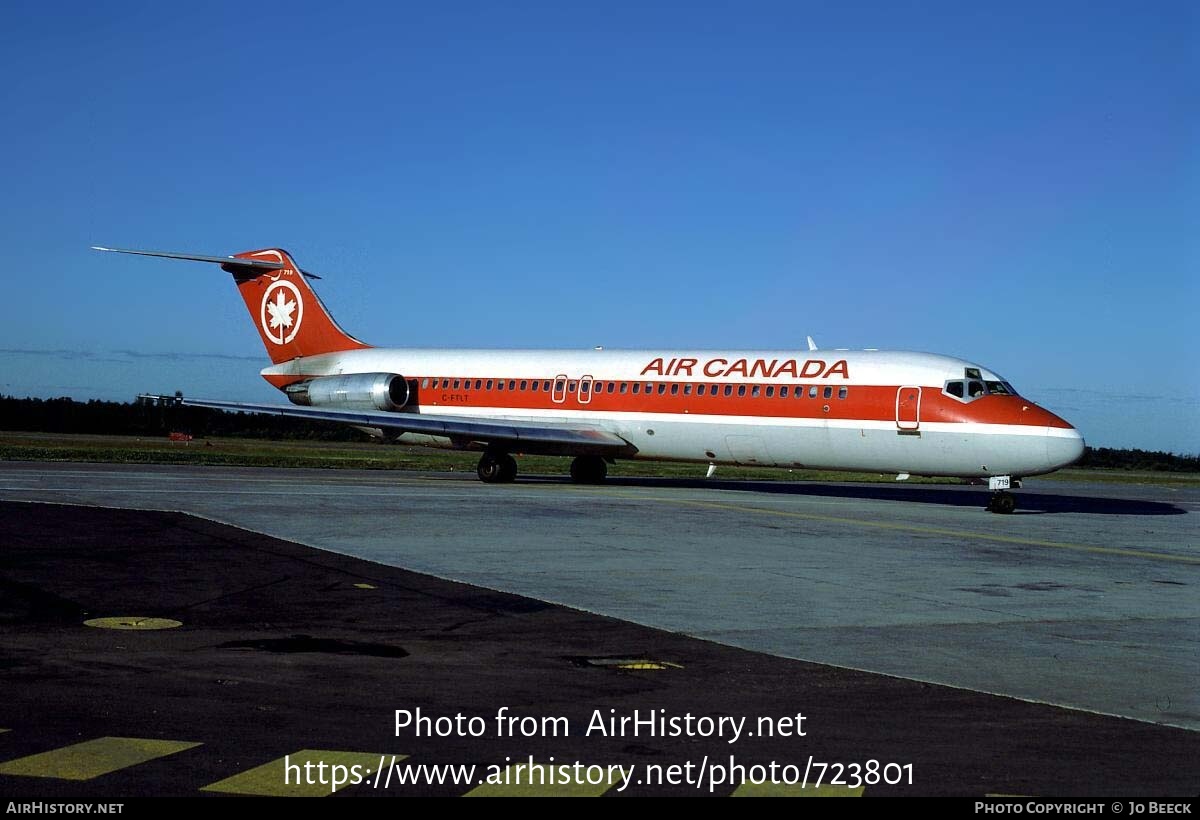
{"points": [[361, 391]]}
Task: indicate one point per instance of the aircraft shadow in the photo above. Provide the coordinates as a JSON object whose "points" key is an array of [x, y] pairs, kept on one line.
{"points": [[946, 495]]}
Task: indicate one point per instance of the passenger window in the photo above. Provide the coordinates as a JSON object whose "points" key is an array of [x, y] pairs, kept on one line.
{"points": [[687, 390], [499, 384], [583, 387], [477, 383], [675, 390], [456, 384], [741, 389], [662, 388], [828, 392], [425, 383], [611, 386], [955, 389], [699, 390], [535, 386], [489, 384], [729, 390], [512, 384], [812, 392], [624, 385], [754, 391], [770, 392], [637, 388], [783, 392], [649, 387], [842, 391], [524, 384], [546, 386], [558, 387]]}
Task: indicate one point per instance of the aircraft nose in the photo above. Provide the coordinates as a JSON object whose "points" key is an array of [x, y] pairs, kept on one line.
{"points": [[1064, 446]]}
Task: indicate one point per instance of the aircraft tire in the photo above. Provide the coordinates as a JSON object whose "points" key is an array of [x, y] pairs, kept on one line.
{"points": [[496, 468], [588, 470], [1002, 503]]}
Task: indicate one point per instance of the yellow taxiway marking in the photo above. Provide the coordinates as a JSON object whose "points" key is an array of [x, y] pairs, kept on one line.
{"points": [[133, 622], [365, 586], [286, 777], [794, 790], [978, 536], [521, 772], [92, 758]]}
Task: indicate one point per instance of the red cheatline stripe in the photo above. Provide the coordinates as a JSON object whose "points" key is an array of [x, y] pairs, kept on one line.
{"points": [[859, 403]]}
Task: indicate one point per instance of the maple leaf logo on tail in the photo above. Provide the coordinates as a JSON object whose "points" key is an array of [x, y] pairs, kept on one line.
{"points": [[281, 300], [281, 312]]}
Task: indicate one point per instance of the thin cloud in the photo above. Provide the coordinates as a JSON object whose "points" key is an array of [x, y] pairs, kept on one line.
{"points": [[170, 355], [17, 351], [1083, 394], [180, 356]]}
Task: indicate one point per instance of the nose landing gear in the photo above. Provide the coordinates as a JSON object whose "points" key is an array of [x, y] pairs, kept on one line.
{"points": [[1002, 502]]}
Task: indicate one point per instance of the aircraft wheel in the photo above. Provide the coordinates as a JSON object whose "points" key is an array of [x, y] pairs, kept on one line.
{"points": [[1002, 503], [496, 468], [508, 469], [588, 470]]}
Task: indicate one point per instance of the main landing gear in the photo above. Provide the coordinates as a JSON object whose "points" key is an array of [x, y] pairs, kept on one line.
{"points": [[588, 470], [497, 468]]}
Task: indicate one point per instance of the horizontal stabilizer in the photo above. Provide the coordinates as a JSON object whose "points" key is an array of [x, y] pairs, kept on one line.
{"points": [[230, 263], [220, 260]]}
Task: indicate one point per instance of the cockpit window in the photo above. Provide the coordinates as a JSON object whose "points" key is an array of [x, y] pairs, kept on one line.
{"points": [[972, 373], [970, 389]]}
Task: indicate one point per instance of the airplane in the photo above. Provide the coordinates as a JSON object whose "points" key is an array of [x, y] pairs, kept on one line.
{"points": [[870, 410]]}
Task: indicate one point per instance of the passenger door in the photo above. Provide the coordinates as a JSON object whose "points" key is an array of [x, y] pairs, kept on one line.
{"points": [[908, 408]]}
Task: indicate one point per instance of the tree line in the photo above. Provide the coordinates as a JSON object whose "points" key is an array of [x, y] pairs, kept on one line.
{"points": [[149, 419]]}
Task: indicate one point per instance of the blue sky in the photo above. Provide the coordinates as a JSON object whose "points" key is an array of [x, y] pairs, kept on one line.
{"points": [[1015, 183]]}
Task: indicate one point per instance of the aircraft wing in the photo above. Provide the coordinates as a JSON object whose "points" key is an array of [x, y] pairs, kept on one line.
{"points": [[516, 436]]}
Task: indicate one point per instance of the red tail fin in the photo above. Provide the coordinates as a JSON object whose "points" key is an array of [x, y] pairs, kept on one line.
{"points": [[287, 312]]}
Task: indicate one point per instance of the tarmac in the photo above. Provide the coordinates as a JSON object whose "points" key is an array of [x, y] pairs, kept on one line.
{"points": [[309, 622]]}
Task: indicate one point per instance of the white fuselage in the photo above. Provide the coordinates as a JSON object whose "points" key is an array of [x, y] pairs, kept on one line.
{"points": [[879, 411]]}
